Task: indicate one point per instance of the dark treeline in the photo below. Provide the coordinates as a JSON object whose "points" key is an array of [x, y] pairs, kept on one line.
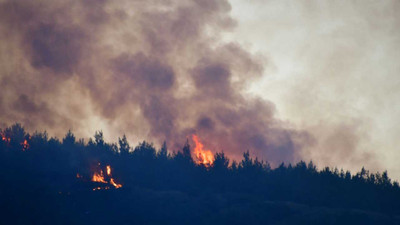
{"points": [[48, 181]]}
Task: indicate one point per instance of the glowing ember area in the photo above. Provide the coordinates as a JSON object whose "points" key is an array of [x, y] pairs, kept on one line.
{"points": [[5, 139], [25, 145], [205, 157], [99, 177], [100, 188]]}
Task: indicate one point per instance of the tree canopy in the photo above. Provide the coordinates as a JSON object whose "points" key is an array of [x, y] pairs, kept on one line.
{"points": [[36, 165]]}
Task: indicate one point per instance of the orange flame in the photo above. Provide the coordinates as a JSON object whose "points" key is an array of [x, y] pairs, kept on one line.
{"points": [[115, 184], [98, 177], [25, 145], [205, 157], [5, 138], [109, 170]]}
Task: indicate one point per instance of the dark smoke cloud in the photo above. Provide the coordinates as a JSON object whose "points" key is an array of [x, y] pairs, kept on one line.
{"points": [[58, 49], [146, 73], [213, 79], [153, 69]]}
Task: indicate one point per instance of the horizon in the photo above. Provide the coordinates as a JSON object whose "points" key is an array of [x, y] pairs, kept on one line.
{"points": [[195, 145]]}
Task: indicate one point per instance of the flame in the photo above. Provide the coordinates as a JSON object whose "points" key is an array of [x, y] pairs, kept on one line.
{"points": [[25, 145], [205, 157], [115, 184], [109, 170], [78, 176], [98, 177], [5, 138]]}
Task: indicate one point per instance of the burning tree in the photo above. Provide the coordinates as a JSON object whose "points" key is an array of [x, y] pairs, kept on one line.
{"points": [[203, 156], [101, 177]]}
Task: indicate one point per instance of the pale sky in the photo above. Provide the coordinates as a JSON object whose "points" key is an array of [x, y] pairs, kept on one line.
{"points": [[331, 65]]}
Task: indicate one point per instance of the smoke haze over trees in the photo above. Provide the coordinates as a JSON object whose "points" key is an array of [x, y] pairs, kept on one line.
{"points": [[155, 69], [45, 180], [163, 71]]}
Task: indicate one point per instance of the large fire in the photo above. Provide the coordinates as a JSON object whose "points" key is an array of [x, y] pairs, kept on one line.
{"points": [[99, 177], [205, 157]]}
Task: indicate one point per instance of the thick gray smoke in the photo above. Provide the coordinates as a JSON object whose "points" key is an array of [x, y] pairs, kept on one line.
{"points": [[156, 70]]}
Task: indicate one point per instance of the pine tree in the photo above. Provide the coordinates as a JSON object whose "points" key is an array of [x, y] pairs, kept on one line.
{"points": [[163, 153], [124, 147]]}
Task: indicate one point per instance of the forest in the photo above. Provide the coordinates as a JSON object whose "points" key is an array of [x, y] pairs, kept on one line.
{"points": [[45, 180]]}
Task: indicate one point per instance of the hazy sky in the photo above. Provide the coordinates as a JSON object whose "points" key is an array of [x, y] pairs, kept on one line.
{"points": [[288, 80], [333, 67]]}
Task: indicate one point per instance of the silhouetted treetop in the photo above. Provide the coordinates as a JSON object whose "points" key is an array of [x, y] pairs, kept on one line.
{"points": [[42, 163]]}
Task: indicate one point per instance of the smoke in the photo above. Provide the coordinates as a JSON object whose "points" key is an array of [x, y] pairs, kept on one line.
{"points": [[156, 70]]}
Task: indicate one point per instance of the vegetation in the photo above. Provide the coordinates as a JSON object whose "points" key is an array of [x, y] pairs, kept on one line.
{"points": [[49, 181]]}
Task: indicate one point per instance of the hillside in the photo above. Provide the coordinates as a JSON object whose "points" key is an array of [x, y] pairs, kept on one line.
{"points": [[49, 181]]}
